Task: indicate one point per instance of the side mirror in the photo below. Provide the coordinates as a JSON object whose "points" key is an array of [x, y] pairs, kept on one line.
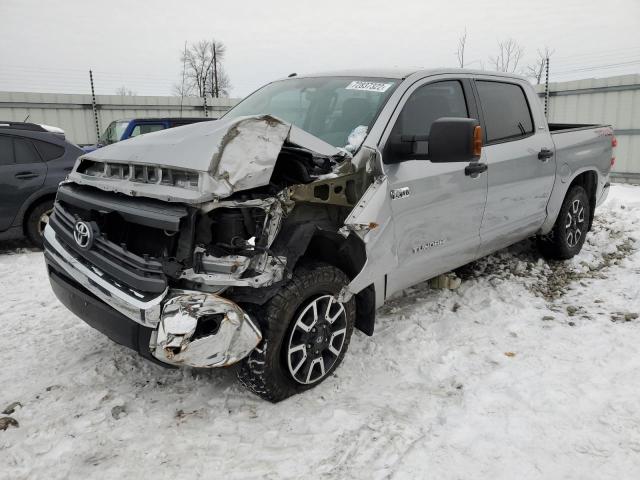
{"points": [[454, 139]]}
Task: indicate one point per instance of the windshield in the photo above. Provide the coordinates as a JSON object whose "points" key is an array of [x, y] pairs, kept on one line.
{"points": [[114, 132], [338, 110]]}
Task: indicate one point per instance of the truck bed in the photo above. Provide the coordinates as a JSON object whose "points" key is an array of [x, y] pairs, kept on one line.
{"points": [[564, 127]]}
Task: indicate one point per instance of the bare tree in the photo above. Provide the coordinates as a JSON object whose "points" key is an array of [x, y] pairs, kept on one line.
{"points": [[508, 57], [462, 43], [125, 92], [536, 70], [203, 70]]}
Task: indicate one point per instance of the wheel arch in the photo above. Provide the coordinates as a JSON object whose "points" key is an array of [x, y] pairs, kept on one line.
{"points": [[349, 255], [32, 203], [588, 180], [311, 233]]}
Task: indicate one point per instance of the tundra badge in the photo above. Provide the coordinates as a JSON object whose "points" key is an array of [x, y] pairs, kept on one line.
{"points": [[397, 193]]}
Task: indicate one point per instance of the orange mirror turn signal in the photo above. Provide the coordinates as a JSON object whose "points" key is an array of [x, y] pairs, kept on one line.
{"points": [[477, 141]]}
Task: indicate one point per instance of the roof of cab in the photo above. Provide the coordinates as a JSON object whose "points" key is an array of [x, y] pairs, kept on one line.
{"points": [[402, 73]]}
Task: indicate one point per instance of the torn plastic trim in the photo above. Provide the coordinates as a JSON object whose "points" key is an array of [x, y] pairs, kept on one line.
{"points": [[203, 330]]}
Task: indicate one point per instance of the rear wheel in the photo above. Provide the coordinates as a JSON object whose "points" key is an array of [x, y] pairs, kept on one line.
{"points": [[306, 333], [37, 220], [570, 230]]}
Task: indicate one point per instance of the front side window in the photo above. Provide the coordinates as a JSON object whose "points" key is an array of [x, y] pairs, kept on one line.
{"points": [[114, 132], [143, 128], [426, 104], [338, 110], [506, 111], [429, 103]]}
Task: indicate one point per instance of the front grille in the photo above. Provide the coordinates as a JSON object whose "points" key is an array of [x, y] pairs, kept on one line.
{"points": [[139, 173], [139, 272]]}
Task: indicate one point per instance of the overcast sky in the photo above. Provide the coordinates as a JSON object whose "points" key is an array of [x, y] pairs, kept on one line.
{"points": [[50, 45]]}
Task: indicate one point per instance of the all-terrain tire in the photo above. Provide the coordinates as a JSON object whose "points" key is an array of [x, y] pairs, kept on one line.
{"points": [[570, 230], [266, 371], [36, 220]]}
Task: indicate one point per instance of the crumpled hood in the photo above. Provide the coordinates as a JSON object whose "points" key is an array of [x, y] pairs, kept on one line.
{"points": [[230, 155]]}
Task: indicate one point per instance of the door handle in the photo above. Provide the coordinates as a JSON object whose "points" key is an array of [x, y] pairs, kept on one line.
{"points": [[26, 175], [474, 169], [545, 154]]}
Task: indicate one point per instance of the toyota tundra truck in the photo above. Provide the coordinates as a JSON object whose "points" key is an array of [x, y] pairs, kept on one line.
{"points": [[264, 238]]}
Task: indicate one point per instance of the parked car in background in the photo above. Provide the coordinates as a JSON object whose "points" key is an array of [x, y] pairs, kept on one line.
{"points": [[119, 130], [34, 159]]}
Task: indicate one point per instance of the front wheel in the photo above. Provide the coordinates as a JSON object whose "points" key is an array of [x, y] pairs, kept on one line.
{"points": [[306, 333], [570, 230]]}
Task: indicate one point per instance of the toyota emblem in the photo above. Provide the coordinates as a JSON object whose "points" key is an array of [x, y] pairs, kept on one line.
{"points": [[83, 234]]}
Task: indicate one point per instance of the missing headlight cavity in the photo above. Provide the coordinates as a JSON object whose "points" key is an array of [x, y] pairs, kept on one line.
{"points": [[208, 325], [232, 231]]}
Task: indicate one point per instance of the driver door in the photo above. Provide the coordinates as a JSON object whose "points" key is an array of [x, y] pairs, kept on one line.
{"points": [[437, 208]]}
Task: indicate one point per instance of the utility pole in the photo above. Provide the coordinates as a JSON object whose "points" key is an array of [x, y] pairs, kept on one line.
{"points": [[206, 113], [93, 104], [184, 67], [546, 89], [215, 92]]}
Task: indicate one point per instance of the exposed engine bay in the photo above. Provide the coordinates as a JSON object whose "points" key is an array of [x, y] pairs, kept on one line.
{"points": [[200, 242]]}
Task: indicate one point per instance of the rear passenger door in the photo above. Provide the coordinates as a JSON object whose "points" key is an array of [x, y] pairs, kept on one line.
{"points": [[520, 182], [22, 173]]}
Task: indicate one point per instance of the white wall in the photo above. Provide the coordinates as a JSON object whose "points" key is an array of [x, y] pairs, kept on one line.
{"points": [[611, 100], [74, 114]]}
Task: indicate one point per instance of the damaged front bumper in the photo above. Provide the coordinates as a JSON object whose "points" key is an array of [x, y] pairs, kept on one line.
{"points": [[182, 327], [203, 330]]}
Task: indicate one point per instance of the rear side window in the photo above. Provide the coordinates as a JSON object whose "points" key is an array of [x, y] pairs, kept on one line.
{"points": [[24, 151], [6, 150], [506, 111], [48, 151]]}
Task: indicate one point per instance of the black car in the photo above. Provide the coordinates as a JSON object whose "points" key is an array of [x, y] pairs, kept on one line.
{"points": [[34, 159]]}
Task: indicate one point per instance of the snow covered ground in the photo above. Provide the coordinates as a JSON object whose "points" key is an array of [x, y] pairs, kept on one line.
{"points": [[529, 370]]}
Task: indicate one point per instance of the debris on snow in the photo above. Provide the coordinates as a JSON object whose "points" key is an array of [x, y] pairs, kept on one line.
{"points": [[6, 422], [11, 408]]}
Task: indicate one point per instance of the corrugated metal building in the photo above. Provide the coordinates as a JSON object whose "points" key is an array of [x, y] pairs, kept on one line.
{"points": [[74, 113], [611, 100]]}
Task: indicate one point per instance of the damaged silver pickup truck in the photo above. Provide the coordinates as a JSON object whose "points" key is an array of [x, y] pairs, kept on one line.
{"points": [[264, 238]]}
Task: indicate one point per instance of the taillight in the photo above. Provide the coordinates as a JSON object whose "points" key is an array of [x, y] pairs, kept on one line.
{"points": [[614, 144]]}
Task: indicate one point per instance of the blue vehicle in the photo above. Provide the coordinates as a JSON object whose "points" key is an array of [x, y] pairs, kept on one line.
{"points": [[119, 130]]}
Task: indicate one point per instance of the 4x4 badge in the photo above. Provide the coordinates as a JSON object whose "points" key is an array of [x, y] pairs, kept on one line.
{"points": [[397, 193]]}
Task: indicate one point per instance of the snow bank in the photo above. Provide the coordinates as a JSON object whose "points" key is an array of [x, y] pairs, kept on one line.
{"points": [[530, 370]]}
